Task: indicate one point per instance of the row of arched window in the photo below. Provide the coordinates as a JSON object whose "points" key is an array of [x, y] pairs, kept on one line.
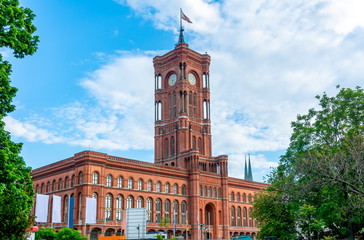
{"points": [[54, 186], [210, 192], [240, 198], [241, 217], [170, 146]]}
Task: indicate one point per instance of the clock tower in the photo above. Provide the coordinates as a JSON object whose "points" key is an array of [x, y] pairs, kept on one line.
{"points": [[182, 105]]}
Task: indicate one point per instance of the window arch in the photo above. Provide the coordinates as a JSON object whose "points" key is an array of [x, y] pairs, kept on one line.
{"points": [[158, 111], [108, 207], [238, 216], [193, 142], [167, 209], [119, 207], [54, 185], [109, 180], [175, 188], [205, 191], [183, 212], [166, 147], [184, 190], [73, 181], [120, 182], [158, 209], [233, 216], [167, 188], [80, 178], [60, 184], [238, 197], [65, 209], [48, 186], [232, 196], [158, 186], [250, 198], [244, 197], [130, 202], [66, 181], [214, 193], [130, 183], [250, 218], [150, 185], [158, 82], [140, 202], [245, 218], [175, 211], [149, 209], [173, 150], [95, 178], [140, 184]]}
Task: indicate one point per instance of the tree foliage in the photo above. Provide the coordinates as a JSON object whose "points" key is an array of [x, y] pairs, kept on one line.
{"points": [[322, 170], [16, 191], [63, 234]]}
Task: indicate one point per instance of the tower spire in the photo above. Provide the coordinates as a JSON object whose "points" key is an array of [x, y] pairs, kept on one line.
{"points": [[245, 170], [250, 174]]}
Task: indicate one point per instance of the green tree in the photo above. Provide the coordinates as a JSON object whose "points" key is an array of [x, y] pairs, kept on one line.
{"points": [[70, 234], [45, 234], [323, 166], [16, 191]]}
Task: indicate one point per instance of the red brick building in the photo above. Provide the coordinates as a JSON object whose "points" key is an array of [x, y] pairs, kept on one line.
{"points": [[185, 184]]}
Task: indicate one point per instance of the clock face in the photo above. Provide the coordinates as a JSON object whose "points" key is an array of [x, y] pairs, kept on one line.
{"points": [[192, 78], [172, 79]]}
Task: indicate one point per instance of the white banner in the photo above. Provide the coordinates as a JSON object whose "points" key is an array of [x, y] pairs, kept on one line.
{"points": [[56, 209], [90, 210], [41, 208]]}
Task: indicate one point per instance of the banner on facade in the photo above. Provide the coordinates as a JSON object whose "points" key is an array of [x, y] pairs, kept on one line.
{"points": [[90, 211], [70, 212], [41, 208], [56, 209]]}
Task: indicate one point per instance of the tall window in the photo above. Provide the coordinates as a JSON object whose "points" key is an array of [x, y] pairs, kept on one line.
{"points": [[232, 216], [60, 184], [167, 188], [244, 197], [184, 192], [54, 185], [167, 209], [119, 207], [109, 180], [95, 196], [232, 197], [166, 147], [158, 82], [183, 212], [120, 182], [95, 178], [130, 202], [73, 181], [175, 212], [175, 188], [150, 185], [140, 184], [158, 111], [65, 209], [172, 146], [238, 216], [206, 109], [214, 193], [67, 181], [158, 209], [80, 178], [108, 207], [245, 219], [209, 192], [48, 186], [201, 191], [149, 209], [205, 191], [130, 183], [140, 202], [158, 186], [238, 197], [193, 142], [250, 199], [219, 193], [250, 218]]}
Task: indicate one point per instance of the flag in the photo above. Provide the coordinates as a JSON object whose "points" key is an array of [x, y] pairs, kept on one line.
{"points": [[184, 17], [90, 210], [41, 208], [70, 212], [56, 209]]}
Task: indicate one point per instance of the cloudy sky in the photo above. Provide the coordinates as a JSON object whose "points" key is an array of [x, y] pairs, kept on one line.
{"points": [[91, 86]]}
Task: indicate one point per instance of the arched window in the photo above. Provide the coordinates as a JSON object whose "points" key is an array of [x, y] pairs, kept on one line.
{"points": [[214, 193], [249, 198], [245, 219], [80, 178], [238, 197], [54, 185], [140, 184], [184, 192], [193, 142], [209, 192], [60, 184], [167, 188], [238, 216], [48, 186], [199, 145], [194, 104], [158, 209], [219, 193], [120, 182], [175, 188], [140, 202], [205, 191], [232, 216], [158, 82], [130, 183], [244, 197], [167, 209], [206, 109], [130, 202], [109, 180], [150, 185], [183, 212], [73, 182], [95, 178], [175, 212], [166, 147], [149, 209], [119, 207], [232, 196], [158, 186], [172, 146], [158, 111], [108, 207], [190, 101], [250, 218], [66, 181], [201, 191], [174, 104]]}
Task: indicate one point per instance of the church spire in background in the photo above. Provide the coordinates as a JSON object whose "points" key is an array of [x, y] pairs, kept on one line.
{"points": [[248, 174]]}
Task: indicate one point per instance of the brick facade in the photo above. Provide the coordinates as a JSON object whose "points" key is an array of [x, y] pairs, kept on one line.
{"points": [[185, 183]]}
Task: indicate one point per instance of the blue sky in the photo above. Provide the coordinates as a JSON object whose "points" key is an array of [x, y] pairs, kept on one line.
{"points": [[90, 84]]}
